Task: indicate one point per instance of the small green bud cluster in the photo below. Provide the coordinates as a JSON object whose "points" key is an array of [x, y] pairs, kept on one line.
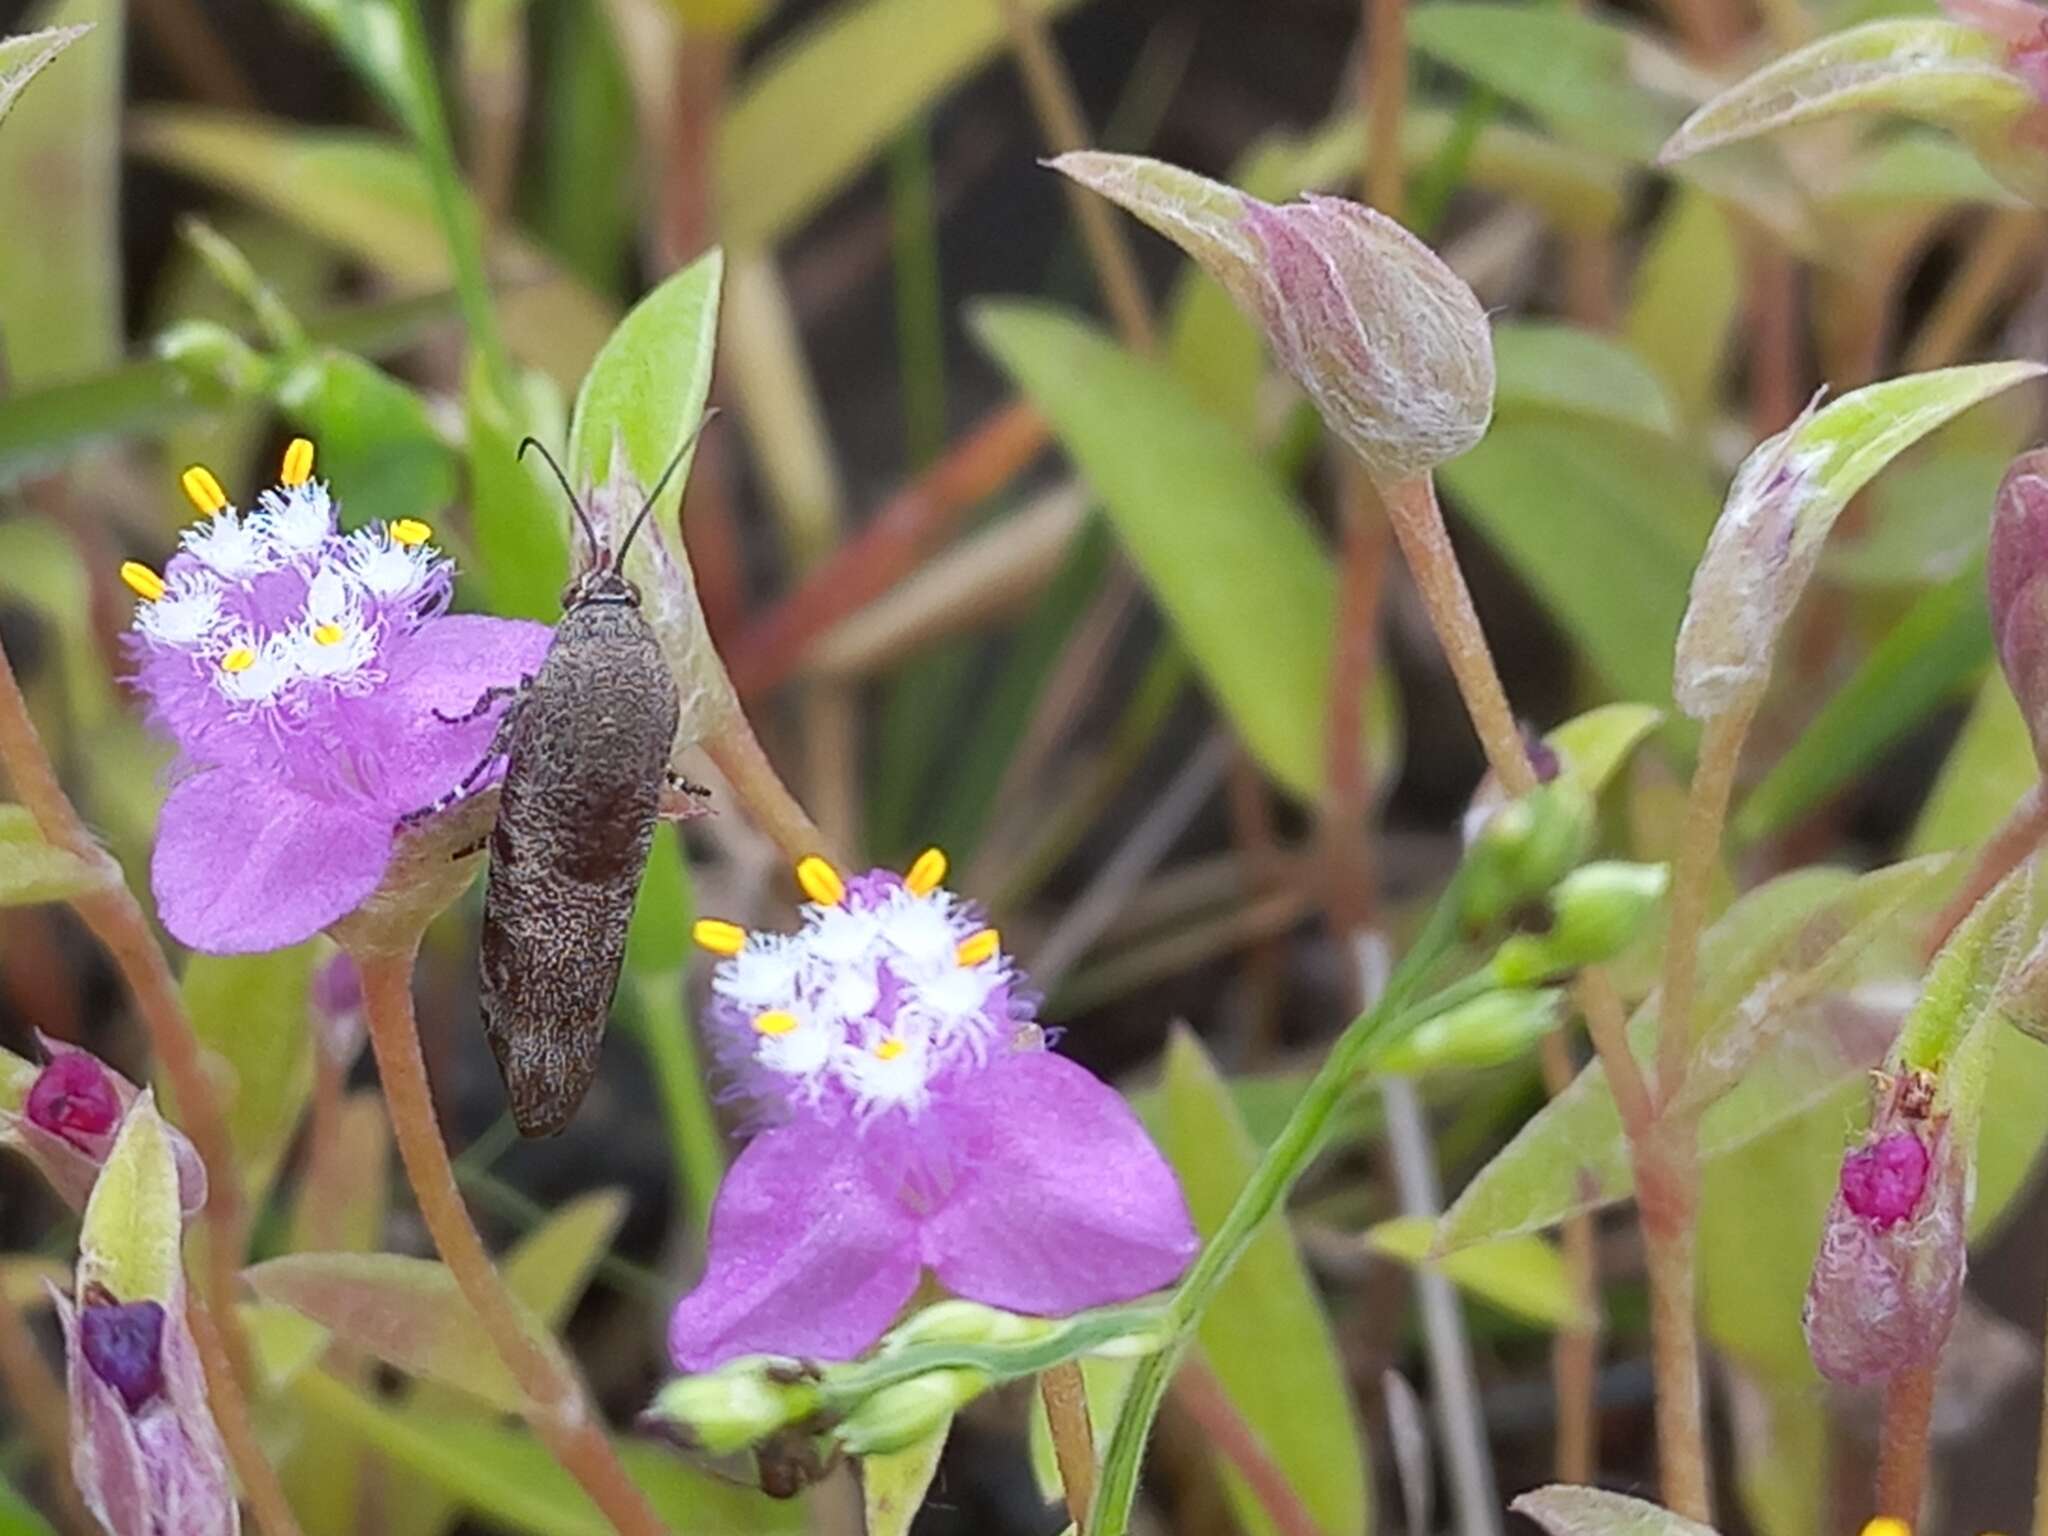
{"points": [[743, 1401], [1524, 849], [1593, 914]]}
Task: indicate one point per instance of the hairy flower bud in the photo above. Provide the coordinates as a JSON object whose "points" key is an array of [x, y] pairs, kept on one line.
{"points": [[67, 1115], [2016, 574], [904, 1414], [1593, 914], [1524, 849], [1390, 344], [743, 1401]]}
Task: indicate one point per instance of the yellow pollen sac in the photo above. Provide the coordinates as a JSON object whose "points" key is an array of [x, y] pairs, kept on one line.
{"points": [[240, 659], [327, 634], [298, 462], [142, 581], [1887, 1525], [721, 938], [820, 881], [202, 490], [775, 1021], [924, 876], [890, 1049], [977, 947], [410, 531]]}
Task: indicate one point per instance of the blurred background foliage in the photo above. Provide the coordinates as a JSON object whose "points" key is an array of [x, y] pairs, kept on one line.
{"points": [[1034, 565]]}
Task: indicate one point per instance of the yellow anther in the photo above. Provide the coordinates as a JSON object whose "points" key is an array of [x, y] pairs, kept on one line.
{"points": [[240, 659], [890, 1049], [721, 938], [142, 581], [298, 462], [202, 490], [410, 531], [1887, 1525], [775, 1021], [327, 634], [978, 946], [820, 881], [925, 875]]}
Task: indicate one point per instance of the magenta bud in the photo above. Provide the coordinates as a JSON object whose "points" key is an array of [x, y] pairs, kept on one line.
{"points": [[74, 1098], [2014, 572], [1889, 1276], [1883, 1183], [123, 1343]]}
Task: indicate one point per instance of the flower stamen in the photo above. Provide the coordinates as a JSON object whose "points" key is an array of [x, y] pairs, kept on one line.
{"points": [[327, 634], [927, 874], [202, 490], [891, 1048], [820, 881], [240, 659], [718, 936], [142, 581], [775, 1022], [978, 947], [410, 531], [298, 463]]}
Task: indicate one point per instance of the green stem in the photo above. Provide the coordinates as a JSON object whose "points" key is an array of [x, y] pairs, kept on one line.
{"points": [[920, 305], [453, 205], [1283, 1163], [670, 1040]]}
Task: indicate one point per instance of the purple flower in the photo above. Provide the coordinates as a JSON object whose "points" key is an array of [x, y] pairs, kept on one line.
{"points": [[1889, 1276], [68, 1116], [144, 1448], [304, 676], [916, 1122]]}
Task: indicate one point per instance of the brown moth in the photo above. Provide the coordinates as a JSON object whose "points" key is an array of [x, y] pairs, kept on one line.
{"points": [[586, 744]]}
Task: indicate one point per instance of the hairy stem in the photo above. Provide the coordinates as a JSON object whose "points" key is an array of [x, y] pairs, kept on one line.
{"points": [[1073, 1436], [1902, 1444], [2025, 825], [1667, 1184], [557, 1406], [261, 1489], [736, 751]]}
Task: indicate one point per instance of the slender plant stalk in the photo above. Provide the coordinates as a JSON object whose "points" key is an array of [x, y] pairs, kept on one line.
{"points": [[2016, 838], [261, 1489], [38, 1399], [558, 1408], [1073, 1435], [736, 751], [1902, 1444]]}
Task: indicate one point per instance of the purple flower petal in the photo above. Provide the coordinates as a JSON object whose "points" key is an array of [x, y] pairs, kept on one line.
{"points": [[244, 865], [106, 1456], [444, 668], [123, 1343], [1063, 1202], [808, 1256]]}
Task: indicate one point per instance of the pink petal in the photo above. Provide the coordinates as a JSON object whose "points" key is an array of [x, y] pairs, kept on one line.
{"points": [[106, 1457], [1063, 1202], [243, 865], [808, 1256], [444, 668]]}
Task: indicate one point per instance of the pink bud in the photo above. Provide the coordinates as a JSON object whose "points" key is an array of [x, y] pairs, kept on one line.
{"points": [[337, 1001], [2014, 572], [74, 1098], [1889, 1276], [69, 1118]]}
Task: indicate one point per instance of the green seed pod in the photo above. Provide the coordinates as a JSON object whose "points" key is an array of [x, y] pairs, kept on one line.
{"points": [[1596, 911], [964, 1322], [904, 1414], [1495, 1028], [1524, 849], [741, 1402]]}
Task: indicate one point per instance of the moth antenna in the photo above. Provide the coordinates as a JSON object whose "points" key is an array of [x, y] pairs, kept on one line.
{"points": [[660, 485], [589, 533]]}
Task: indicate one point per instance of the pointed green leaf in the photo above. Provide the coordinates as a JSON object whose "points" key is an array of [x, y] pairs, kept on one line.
{"points": [[1784, 501], [1688, 294], [1938, 71], [551, 1266], [1990, 766], [129, 1240], [407, 1312], [1543, 366], [893, 1486], [1524, 1275], [23, 58], [31, 871], [1226, 553], [1265, 1336], [378, 446], [519, 521], [1567, 1511], [253, 1018]]}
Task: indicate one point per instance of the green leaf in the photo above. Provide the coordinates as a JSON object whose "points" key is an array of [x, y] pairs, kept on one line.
{"points": [[60, 267], [1524, 1275], [1766, 1048], [369, 36], [648, 386], [1226, 553], [378, 446], [1990, 766], [18, 1516], [1567, 1511], [365, 194], [821, 105], [23, 58], [1569, 70], [1593, 746], [1543, 366], [129, 1239], [1915, 169], [407, 1312], [1939, 648], [518, 517], [1266, 1336], [253, 1017], [658, 942], [1782, 1438], [31, 871], [1784, 501], [1688, 294], [893, 1486], [507, 1476], [1604, 525], [1924, 519], [1937, 71], [552, 1265]]}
